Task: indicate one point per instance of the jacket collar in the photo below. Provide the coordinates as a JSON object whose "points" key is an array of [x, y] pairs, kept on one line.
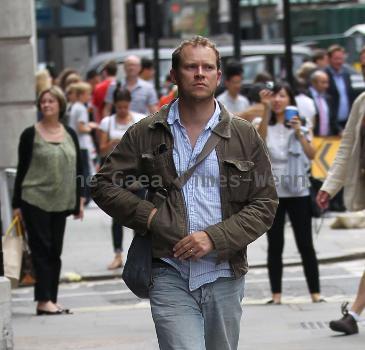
{"points": [[222, 129]]}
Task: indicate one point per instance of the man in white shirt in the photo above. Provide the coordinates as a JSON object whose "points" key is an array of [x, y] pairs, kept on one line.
{"points": [[231, 98]]}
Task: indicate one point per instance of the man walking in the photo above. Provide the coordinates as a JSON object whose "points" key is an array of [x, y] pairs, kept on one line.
{"points": [[325, 119], [340, 88], [231, 98], [144, 96], [110, 73], [200, 232]]}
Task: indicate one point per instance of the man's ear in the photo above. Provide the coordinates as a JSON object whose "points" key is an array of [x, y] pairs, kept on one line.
{"points": [[173, 76], [219, 77]]}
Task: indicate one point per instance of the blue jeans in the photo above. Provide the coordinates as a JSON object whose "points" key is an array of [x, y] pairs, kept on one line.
{"points": [[207, 318]]}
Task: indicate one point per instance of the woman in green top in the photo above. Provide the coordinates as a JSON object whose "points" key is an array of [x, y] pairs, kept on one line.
{"points": [[48, 189]]}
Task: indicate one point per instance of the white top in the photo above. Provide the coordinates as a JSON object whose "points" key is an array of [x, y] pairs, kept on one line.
{"points": [[79, 114], [277, 141], [115, 130], [234, 105], [307, 109]]}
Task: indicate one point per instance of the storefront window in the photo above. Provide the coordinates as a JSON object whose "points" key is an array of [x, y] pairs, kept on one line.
{"points": [[45, 14], [78, 13], [188, 17], [65, 13]]}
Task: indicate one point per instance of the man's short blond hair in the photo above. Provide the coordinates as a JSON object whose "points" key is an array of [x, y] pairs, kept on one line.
{"points": [[196, 41]]}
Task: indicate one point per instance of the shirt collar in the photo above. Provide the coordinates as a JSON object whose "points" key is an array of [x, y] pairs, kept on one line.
{"points": [[335, 72], [315, 93], [174, 116], [138, 84]]}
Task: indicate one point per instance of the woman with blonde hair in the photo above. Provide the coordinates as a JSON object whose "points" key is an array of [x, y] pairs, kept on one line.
{"points": [[48, 189]]}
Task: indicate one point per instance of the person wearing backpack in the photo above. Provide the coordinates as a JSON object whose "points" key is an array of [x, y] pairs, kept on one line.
{"points": [[111, 130]]}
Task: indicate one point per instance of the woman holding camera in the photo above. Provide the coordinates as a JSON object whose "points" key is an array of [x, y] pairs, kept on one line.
{"points": [[288, 143]]}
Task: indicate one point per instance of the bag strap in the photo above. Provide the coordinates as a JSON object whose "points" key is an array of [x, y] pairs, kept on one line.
{"points": [[17, 225], [109, 127], [161, 193], [212, 142]]}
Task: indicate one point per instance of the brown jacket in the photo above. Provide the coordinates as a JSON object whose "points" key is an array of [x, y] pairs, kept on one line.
{"points": [[248, 194]]}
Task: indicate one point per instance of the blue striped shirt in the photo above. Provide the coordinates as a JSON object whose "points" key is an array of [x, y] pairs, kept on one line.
{"points": [[201, 195]]}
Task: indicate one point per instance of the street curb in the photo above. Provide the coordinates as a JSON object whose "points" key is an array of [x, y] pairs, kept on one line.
{"points": [[323, 261]]}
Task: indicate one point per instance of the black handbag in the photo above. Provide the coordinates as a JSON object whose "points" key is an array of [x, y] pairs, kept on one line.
{"points": [[137, 272], [138, 267]]}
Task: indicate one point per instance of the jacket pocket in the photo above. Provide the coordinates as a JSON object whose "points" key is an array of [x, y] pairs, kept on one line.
{"points": [[157, 168], [239, 178]]}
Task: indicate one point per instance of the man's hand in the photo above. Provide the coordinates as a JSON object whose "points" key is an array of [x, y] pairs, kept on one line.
{"points": [[194, 246], [323, 199]]}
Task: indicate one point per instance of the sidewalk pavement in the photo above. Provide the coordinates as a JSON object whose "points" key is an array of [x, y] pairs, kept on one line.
{"points": [[88, 247], [130, 327]]}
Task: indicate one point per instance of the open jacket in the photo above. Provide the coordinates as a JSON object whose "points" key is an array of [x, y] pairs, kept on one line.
{"points": [[334, 93], [345, 170], [25, 152], [247, 189]]}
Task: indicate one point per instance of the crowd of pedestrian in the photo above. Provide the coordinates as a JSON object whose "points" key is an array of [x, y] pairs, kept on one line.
{"points": [[80, 126]]}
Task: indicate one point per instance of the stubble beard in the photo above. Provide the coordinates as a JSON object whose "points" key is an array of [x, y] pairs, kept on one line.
{"points": [[196, 98]]}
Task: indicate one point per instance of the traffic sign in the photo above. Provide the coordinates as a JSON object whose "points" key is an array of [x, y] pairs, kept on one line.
{"points": [[326, 149]]}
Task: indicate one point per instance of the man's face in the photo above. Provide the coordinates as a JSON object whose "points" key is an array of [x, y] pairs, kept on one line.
{"points": [[233, 85], [197, 76], [321, 83], [148, 73], [337, 59], [132, 67]]}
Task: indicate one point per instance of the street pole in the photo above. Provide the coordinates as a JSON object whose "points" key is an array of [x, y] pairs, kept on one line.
{"points": [[103, 25], [288, 43], [154, 27], [1, 253], [236, 28]]}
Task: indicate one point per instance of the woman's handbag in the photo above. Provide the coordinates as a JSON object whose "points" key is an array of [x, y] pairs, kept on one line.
{"points": [[137, 272], [13, 250]]}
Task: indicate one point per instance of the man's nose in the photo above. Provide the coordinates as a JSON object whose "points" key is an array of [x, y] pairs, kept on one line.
{"points": [[199, 71]]}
